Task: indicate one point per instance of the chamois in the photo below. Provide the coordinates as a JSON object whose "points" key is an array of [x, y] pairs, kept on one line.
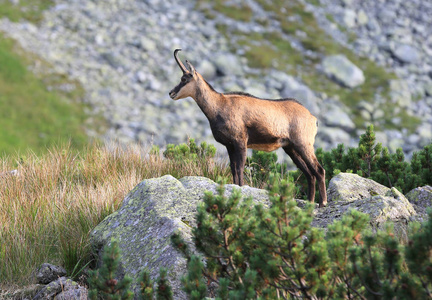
{"points": [[240, 121]]}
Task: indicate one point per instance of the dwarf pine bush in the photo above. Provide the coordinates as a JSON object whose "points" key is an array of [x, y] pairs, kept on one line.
{"points": [[260, 165], [196, 159], [254, 252], [104, 285], [103, 282], [190, 151], [370, 159], [373, 161]]}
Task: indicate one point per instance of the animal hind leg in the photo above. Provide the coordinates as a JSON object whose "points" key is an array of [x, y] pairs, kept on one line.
{"points": [[300, 163], [308, 156]]}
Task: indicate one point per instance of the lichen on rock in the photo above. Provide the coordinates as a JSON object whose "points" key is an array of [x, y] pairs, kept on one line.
{"points": [[421, 199], [158, 207], [149, 215], [384, 205], [349, 187]]}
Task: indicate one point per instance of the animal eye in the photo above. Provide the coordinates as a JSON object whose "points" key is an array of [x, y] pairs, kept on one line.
{"points": [[183, 79]]}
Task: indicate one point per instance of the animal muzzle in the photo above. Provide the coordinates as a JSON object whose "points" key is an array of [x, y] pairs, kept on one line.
{"points": [[172, 94]]}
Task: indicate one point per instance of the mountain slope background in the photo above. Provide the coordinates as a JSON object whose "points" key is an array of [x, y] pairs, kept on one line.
{"points": [[119, 55]]}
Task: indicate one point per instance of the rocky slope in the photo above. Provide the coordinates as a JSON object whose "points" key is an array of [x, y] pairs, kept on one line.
{"points": [[395, 34], [121, 52]]}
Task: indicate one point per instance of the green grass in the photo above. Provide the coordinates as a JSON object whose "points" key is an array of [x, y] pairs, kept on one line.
{"points": [[30, 10], [273, 50], [31, 116], [240, 12], [34, 112]]}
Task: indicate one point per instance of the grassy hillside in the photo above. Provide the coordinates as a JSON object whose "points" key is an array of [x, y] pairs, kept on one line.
{"points": [[34, 112], [26, 9]]}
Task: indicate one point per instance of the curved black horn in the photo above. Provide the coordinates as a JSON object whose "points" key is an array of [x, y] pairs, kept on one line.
{"points": [[181, 65]]}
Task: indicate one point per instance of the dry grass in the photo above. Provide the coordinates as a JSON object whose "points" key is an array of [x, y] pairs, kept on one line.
{"points": [[48, 209]]}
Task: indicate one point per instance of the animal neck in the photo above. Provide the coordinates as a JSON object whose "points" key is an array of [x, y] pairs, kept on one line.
{"points": [[207, 99]]}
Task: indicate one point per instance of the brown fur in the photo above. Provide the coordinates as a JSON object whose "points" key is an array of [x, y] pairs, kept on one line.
{"points": [[240, 121]]}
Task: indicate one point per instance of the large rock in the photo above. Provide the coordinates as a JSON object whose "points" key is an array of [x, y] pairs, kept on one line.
{"points": [[149, 215], [362, 18], [207, 69], [350, 191], [343, 71], [400, 93], [336, 116], [156, 208], [292, 88], [228, 64], [348, 187], [424, 131], [27, 292], [62, 289], [421, 198], [333, 136], [48, 273], [406, 53], [349, 18]]}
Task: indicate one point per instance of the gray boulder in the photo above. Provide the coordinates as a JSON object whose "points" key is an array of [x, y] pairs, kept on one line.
{"points": [[48, 273], [304, 95], [400, 93], [113, 59], [406, 53], [351, 187], [149, 215], [349, 18], [337, 117], [75, 293], [428, 88], [343, 71], [27, 292], [207, 69], [424, 131], [156, 208], [362, 18], [228, 64], [333, 136], [291, 88], [421, 198], [350, 191], [147, 44], [62, 288]]}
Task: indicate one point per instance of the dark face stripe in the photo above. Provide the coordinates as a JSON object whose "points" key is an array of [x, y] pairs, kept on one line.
{"points": [[178, 87], [184, 81]]}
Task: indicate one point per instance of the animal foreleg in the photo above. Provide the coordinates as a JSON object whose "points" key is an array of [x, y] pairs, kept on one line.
{"points": [[237, 156]]}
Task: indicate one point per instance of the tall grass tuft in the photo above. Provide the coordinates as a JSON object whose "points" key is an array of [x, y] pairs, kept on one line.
{"points": [[49, 207]]}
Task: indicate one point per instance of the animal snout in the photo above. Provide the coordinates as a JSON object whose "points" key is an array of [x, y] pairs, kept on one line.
{"points": [[172, 94]]}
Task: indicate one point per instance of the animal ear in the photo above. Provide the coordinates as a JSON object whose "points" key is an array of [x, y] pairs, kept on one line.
{"points": [[191, 68]]}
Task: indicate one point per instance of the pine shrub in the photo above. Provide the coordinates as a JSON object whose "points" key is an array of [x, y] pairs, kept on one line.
{"points": [[254, 252], [103, 282], [370, 159], [146, 286], [190, 151], [104, 285]]}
